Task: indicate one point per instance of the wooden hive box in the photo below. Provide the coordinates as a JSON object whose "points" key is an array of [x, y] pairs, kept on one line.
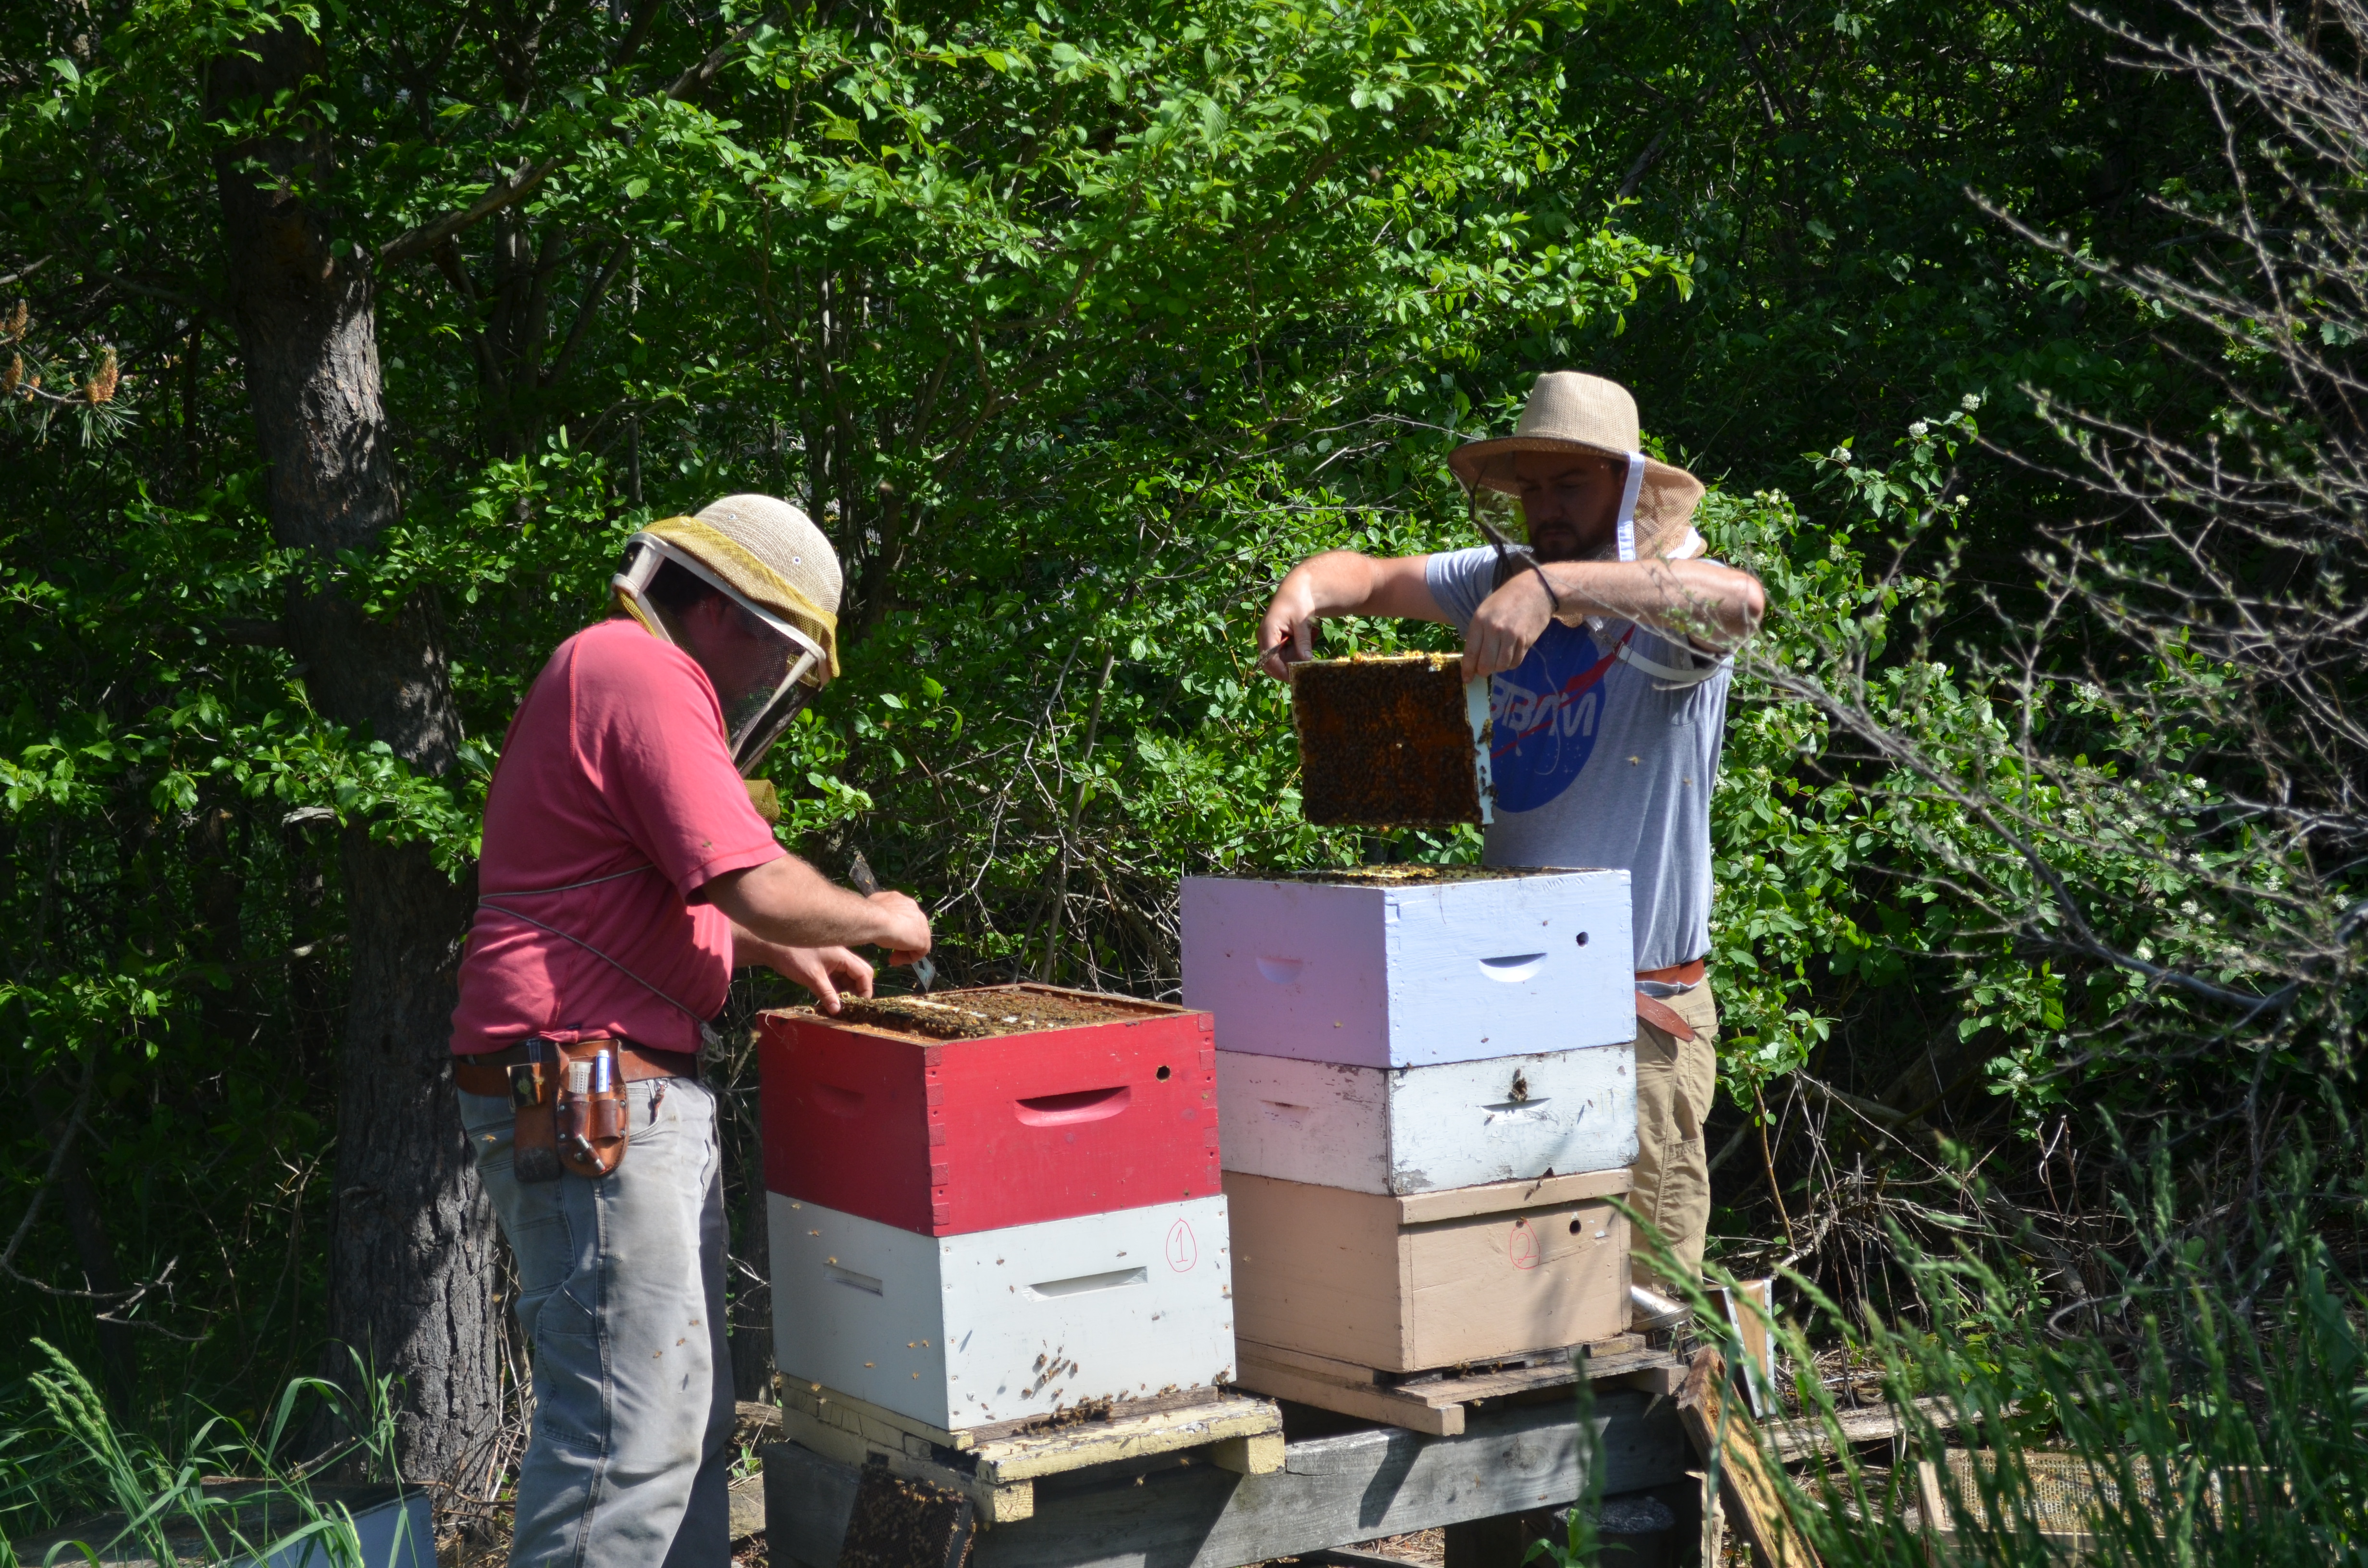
{"points": [[984, 1326], [1430, 1280], [1410, 966], [974, 1110], [1406, 1130], [2069, 1501]]}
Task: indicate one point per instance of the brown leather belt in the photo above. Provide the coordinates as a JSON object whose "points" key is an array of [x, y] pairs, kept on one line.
{"points": [[488, 1072], [1660, 1014]]}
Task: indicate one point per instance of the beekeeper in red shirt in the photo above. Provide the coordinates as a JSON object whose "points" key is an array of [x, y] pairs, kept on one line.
{"points": [[627, 870]]}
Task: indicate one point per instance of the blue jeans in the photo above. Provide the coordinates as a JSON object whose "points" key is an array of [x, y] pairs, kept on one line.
{"points": [[621, 1292]]}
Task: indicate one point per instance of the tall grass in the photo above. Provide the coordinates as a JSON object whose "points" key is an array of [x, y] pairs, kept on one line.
{"points": [[2217, 1405], [2213, 1430], [62, 1458]]}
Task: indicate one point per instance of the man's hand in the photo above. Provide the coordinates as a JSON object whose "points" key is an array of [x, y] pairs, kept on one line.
{"points": [[1287, 635], [787, 903], [1340, 581], [813, 968], [903, 925], [1505, 627], [1710, 607]]}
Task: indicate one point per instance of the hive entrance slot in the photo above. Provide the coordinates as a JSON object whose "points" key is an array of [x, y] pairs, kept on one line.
{"points": [[1079, 1105], [866, 1283], [838, 1101], [1515, 966], [1083, 1284]]}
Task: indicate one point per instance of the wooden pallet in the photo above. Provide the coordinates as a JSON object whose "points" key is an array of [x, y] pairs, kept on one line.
{"points": [[999, 1465], [1435, 1401], [1343, 1486]]}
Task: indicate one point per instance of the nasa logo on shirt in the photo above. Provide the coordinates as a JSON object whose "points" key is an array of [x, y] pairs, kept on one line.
{"points": [[1544, 715]]}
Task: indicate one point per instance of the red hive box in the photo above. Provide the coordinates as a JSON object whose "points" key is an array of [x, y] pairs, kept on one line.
{"points": [[971, 1110]]}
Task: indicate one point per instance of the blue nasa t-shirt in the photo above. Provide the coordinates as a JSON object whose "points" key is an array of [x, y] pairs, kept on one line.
{"points": [[1599, 763]]}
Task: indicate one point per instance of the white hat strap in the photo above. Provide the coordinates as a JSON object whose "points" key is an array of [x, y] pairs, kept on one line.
{"points": [[1628, 492]]}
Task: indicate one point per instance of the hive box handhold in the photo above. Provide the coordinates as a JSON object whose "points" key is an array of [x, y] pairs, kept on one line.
{"points": [[994, 1326], [1405, 966], [1433, 1279], [1402, 1130], [1059, 1103]]}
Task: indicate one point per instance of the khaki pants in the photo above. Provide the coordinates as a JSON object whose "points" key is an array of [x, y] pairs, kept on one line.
{"points": [[1675, 1081]]}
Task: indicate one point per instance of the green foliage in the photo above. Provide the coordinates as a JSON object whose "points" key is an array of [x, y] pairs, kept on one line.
{"points": [[1071, 329], [2216, 1412], [63, 1457], [1815, 163], [1074, 328]]}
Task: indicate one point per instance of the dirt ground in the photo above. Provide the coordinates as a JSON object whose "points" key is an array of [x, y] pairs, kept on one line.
{"points": [[1415, 876], [987, 1011], [1425, 1547]]}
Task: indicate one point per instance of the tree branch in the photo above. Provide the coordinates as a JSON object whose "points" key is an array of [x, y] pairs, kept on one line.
{"points": [[424, 239], [427, 236], [1644, 164], [57, 1162], [586, 311]]}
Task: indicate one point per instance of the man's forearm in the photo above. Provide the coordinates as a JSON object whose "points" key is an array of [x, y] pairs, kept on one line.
{"points": [[790, 902], [1716, 606], [749, 950], [1338, 582]]}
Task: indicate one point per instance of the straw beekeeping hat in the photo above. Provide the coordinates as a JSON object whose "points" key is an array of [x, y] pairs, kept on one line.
{"points": [[770, 553], [1569, 411]]}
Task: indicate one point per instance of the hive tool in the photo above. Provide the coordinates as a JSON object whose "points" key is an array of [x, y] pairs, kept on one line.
{"points": [[924, 973]]}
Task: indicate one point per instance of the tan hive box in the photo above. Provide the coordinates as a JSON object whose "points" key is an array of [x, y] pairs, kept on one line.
{"points": [[1405, 1284]]}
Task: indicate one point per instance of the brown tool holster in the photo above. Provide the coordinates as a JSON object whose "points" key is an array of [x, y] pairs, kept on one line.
{"points": [[568, 1100], [589, 1114], [534, 1136]]}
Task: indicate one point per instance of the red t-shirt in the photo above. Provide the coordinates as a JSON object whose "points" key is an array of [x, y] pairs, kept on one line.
{"points": [[615, 764]]}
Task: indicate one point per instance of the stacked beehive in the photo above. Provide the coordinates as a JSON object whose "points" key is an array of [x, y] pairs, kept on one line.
{"points": [[996, 1204], [1428, 1081]]}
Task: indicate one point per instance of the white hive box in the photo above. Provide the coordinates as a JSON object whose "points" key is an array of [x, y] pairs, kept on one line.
{"points": [[1402, 1130], [1408, 966], [993, 1325]]}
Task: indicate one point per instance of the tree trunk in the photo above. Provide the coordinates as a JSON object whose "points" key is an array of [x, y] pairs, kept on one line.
{"points": [[411, 1254]]}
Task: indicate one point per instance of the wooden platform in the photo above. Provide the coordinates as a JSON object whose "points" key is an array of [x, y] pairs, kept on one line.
{"points": [[1437, 1403], [1331, 1490], [999, 1465]]}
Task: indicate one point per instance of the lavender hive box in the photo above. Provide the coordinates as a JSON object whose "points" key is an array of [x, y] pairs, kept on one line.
{"points": [[1411, 966]]}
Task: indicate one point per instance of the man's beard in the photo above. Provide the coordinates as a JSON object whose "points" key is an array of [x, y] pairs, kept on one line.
{"points": [[1562, 542]]}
